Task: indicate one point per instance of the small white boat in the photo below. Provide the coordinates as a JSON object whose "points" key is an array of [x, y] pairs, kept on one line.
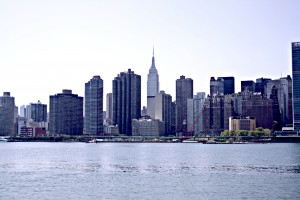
{"points": [[190, 141], [2, 139]]}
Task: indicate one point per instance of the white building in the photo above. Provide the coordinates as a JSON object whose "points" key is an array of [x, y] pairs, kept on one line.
{"points": [[152, 88]]}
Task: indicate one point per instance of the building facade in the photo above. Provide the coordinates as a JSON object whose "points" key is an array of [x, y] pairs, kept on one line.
{"points": [[248, 86], [229, 87], [7, 114], [66, 114], [242, 123], [216, 86], [93, 120], [296, 84], [152, 88], [148, 127], [194, 112], [163, 110], [261, 108], [109, 108], [184, 91], [126, 100], [36, 112], [261, 84]]}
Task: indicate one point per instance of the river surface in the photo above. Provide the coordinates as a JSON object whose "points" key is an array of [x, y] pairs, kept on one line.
{"points": [[149, 171]]}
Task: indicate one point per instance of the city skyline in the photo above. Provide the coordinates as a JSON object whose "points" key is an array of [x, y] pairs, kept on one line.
{"points": [[70, 42]]}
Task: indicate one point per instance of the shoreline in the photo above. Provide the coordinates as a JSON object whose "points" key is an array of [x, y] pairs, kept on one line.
{"points": [[202, 140]]}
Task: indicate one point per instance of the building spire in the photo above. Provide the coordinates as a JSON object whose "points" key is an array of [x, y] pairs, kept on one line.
{"points": [[153, 61], [153, 50]]}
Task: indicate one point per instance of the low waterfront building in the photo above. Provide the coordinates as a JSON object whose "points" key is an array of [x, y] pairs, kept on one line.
{"points": [[110, 130], [239, 123], [148, 127]]}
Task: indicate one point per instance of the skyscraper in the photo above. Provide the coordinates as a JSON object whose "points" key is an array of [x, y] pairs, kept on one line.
{"points": [[126, 100], [163, 109], [184, 91], [66, 114], [93, 120], [7, 114], [261, 108], [247, 86], [296, 83], [152, 88], [37, 112], [228, 85], [216, 86], [261, 84], [194, 113], [109, 108]]}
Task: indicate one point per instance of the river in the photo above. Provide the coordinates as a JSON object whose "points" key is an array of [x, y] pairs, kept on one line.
{"points": [[149, 171]]}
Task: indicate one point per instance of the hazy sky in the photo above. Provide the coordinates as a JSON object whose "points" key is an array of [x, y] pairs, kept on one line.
{"points": [[47, 46]]}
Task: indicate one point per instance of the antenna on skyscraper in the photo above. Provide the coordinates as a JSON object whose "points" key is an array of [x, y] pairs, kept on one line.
{"points": [[153, 50]]}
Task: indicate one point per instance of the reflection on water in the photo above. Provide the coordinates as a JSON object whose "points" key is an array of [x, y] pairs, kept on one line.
{"points": [[139, 171]]}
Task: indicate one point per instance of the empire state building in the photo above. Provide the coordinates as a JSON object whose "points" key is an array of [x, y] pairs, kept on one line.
{"points": [[152, 88]]}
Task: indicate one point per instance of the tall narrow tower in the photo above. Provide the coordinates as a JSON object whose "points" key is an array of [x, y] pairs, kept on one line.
{"points": [[184, 91], [94, 106], [296, 83], [152, 88]]}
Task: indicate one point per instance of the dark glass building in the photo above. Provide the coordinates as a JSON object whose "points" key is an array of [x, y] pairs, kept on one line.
{"points": [[261, 84], [184, 91], [93, 120], [66, 114], [228, 85], [126, 100], [247, 86], [296, 84]]}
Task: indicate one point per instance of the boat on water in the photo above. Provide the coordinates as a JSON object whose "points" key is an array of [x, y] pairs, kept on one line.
{"points": [[190, 141], [3, 139]]}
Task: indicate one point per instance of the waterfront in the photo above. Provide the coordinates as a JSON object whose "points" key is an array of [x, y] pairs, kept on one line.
{"points": [[149, 171]]}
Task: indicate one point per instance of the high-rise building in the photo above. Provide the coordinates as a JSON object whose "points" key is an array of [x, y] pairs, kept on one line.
{"points": [[216, 86], [109, 108], [248, 86], [290, 100], [93, 119], [184, 91], [36, 112], [261, 108], [152, 88], [23, 111], [296, 84], [260, 85], [163, 110], [282, 96], [66, 114], [126, 100], [228, 85], [228, 110], [173, 118], [194, 112], [7, 114]]}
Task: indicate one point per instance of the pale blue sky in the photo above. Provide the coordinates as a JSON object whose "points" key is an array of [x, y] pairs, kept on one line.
{"points": [[46, 46]]}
